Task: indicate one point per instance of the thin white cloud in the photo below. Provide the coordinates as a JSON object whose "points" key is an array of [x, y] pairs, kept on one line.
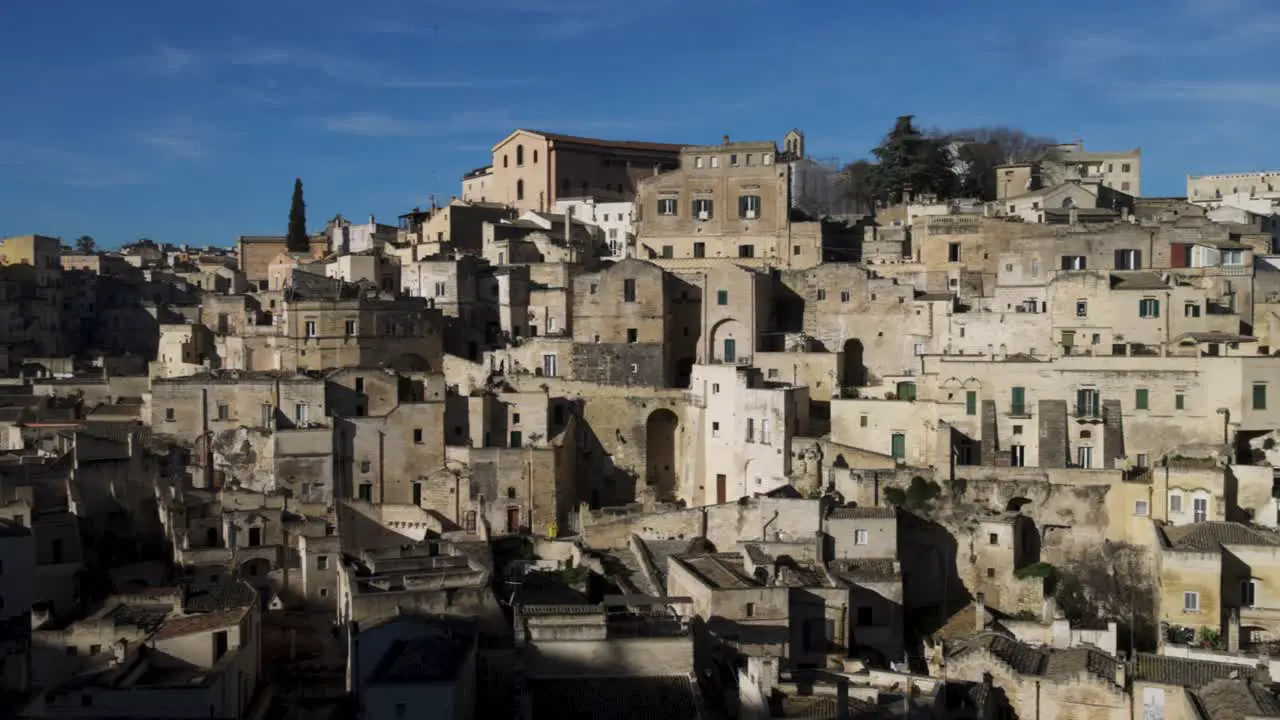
{"points": [[181, 137], [336, 66], [69, 167], [1233, 94], [381, 124]]}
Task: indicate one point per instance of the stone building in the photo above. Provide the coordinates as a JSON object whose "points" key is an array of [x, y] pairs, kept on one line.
{"points": [[725, 201], [532, 170]]}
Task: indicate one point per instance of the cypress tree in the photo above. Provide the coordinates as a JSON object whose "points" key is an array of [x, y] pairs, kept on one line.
{"points": [[297, 240]]}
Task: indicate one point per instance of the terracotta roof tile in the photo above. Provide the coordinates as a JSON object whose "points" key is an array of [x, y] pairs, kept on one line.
{"points": [[204, 622]]}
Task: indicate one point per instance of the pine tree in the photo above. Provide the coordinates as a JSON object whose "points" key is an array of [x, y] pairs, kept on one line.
{"points": [[911, 162], [297, 240]]}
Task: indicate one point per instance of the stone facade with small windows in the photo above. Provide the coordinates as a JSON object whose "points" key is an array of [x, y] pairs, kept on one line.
{"points": [[737, 430], [726, 202], [533, 170]]}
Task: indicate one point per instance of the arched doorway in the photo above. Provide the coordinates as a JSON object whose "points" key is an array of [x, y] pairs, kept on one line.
{"points": [[660, 452]]}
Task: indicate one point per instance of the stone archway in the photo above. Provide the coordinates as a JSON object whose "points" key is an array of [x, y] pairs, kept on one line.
{"points": [[729, 342], [660, 432]]}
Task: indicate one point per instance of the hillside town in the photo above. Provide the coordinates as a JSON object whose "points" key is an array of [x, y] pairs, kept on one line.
{"points": [[640, 430]]}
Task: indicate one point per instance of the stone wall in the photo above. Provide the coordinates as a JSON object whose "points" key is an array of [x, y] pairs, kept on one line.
{"points": [[619, 364]]}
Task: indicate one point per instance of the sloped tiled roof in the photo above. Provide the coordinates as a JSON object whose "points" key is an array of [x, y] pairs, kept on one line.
{"points": [[1062, 664], [1211, 536], [866, 570], [1234, 699], [1185, 672], [1044, 662]]}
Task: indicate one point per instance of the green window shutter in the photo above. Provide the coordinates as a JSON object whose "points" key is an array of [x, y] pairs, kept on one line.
{"points": [[1018, 401], [1260, 396], [1179, 401], [1140, 399], [971, 403], [899, 445]]}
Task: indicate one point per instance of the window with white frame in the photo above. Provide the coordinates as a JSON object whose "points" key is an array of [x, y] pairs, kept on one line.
{"points": [[1140, 508], [311, 328], [1175, 503], [667, 206], [860, 537], [549, 365], [1191, 601], [749, 207], [702, 208], [1232, 257]]}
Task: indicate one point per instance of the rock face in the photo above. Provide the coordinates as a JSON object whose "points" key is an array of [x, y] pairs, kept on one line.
{"points": [[245, 457]]}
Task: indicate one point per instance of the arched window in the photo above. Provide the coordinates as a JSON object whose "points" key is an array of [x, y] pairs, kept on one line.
{"points": [[504, 161], [519, 189], [519, 156], [1068, 202], [535, 157]]}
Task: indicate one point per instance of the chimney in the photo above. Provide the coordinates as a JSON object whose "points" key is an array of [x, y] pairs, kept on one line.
{"points": [[725, 139], [979, 613], [1233, 631], [1120, 670]]}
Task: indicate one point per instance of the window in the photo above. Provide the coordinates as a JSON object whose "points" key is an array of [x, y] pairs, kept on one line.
{"points": [[971, 402], [1141, 398], [1017, 456], [668, 251], [168, 414], [822, 295], [898, 446], [365, 465], [351, 328], [715, 388], [1191, 310], [1140, 508], [1259, 396], [1149, 308], [223, 411], [520, 189], [1191, 602], [311, 328], [697, 162], [715, 429], [1128, 259], [919, 349], [666, 206], [417, 436], [1124, 186], [1082, 308], [722, 297], [1074, 262], [749, 207], [1199, 509], [993, 539], [860, 537], [863, 420], [953, 252], [733, 160], [1179, 401], [632, 336], [1175, 503], [751, 429], [519, 156], [1124, 167], [1017, 401], [845, 296], [746, 251], [702, 209], [505, 161], [1233, 257], [699, 249], [300, 415], [629, 290], [517, 439], [764, 431], [715, 161], [1247, 592], [751, 610], [322, 562], [219, 644], [549, 365]]}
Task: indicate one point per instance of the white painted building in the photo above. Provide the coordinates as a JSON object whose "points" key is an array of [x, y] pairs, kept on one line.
{"points": [[348, 237], [738, 430], [615, 220], [17, 579]]}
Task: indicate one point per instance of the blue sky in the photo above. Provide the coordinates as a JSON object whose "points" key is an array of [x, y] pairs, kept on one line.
{"points": [[187, 121]]}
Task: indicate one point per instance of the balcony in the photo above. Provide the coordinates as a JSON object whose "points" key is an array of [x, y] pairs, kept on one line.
{"points": [[1088, 411], [1234, 270]]}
